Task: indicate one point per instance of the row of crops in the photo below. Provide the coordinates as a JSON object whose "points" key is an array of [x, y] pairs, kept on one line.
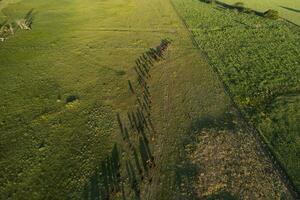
{"points": [[258, 60], [122, 174]]}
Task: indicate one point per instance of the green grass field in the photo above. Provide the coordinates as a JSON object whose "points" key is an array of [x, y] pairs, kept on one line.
{"points": [[288, 9], [50, 147], [259, 61], [4, 4]]}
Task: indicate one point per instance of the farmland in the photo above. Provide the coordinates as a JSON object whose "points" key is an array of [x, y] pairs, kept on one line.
{"points": [[112, 99], [258, 59]]}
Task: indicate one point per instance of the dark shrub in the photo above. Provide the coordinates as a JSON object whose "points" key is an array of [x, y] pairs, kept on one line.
{"points": [[271, 14], [248, 11], [71, 98], [208, 1], [239, 5], [120, 72]]}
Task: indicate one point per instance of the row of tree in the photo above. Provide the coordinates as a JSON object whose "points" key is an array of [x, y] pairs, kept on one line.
{"points": [[137, 158]]}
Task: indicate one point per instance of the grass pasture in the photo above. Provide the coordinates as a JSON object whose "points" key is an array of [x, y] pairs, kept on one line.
{"points": [[48, 146], [63, 82], [258, 59]]}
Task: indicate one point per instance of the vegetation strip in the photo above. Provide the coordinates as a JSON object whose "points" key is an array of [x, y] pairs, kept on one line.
{"points": [[260, 138]]}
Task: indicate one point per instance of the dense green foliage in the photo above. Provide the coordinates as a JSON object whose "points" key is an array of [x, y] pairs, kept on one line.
{"points": [[271, 14], [258, 60]]}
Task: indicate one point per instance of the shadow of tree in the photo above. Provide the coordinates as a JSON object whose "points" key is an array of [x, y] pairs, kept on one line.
{"points": [[222, 195], [239, 8], [187, 171], [291, 9], [222, 122], [186, 175]]}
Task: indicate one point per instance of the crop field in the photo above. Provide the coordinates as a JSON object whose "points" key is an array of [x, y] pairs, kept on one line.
{"points": [[258, 59], [113, 100], [288, 9]]}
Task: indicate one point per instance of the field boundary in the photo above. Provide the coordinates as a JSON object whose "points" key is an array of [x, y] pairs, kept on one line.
{"points": [[290, 22], [264, 145]]}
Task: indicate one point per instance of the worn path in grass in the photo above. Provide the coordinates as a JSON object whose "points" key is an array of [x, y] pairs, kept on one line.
{"points": [[87, 49]]}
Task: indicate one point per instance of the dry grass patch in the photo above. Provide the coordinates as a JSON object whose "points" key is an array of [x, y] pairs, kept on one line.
{"points": [[231, 163]]}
